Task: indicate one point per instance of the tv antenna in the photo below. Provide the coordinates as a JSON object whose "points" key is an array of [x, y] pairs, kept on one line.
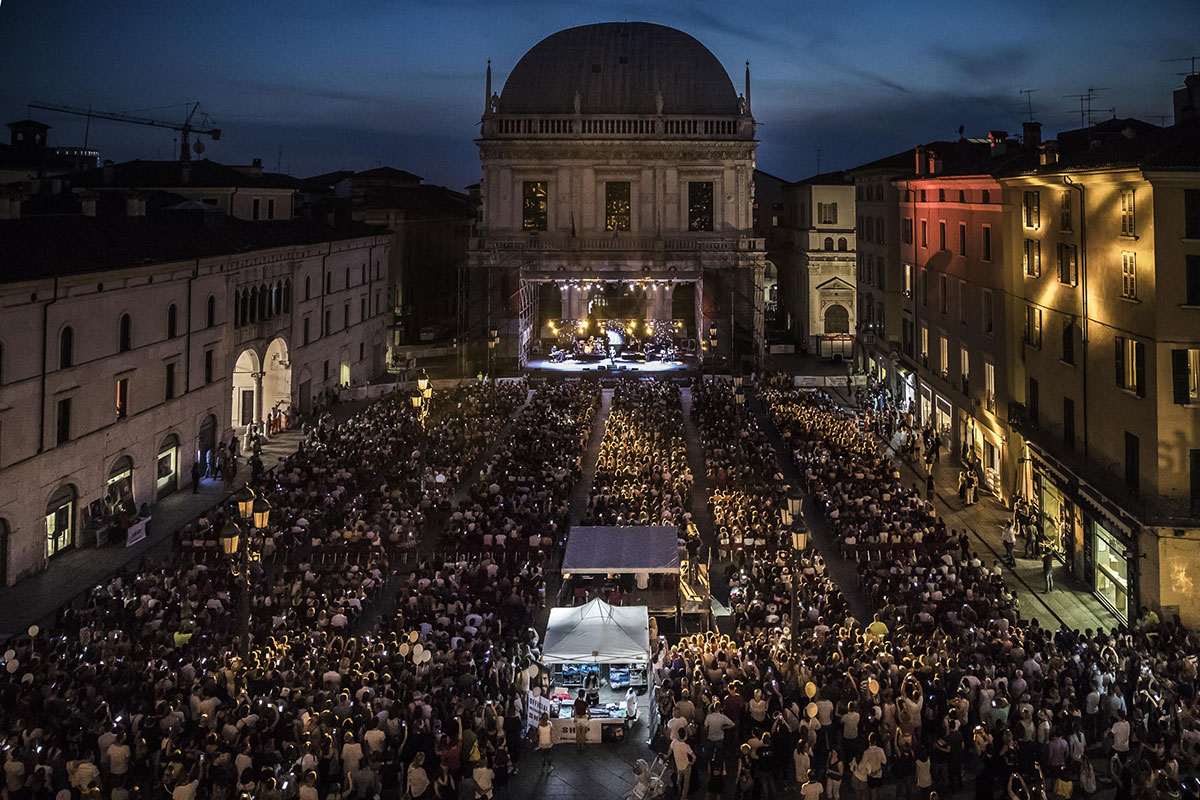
{"points": [[1192, 59], [1028, 101], [1085, 104]]}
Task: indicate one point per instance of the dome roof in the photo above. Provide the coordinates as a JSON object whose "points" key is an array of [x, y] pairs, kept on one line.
{"points": [[618, 68]]}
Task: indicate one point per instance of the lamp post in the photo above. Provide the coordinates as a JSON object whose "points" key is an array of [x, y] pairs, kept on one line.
{"points": [[712, 345], [493, 342], [254, 513], [418, 403], [799, 545]]}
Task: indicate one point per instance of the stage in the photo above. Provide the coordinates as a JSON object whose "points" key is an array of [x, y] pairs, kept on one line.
{"points": [[619, 367]]}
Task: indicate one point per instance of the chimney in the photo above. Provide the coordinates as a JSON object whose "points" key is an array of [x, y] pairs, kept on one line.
{"points": [[1031, 135], [1048, 153], [998, 141], [135, 205], [933, 164], [1187, 99], [921, 161]]}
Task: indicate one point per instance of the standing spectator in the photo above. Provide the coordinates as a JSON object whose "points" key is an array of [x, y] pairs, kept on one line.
{"points": [[682, 757], [545, 733], [582, 713]]}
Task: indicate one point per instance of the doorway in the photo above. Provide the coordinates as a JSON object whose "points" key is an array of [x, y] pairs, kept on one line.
{"points": [[60, 521], [167, 467]]}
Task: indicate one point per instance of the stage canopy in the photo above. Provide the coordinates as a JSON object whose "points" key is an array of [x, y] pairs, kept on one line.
{"points": [[597, 633], [610, 549]]}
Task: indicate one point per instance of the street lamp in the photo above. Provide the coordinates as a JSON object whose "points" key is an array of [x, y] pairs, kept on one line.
{"points": [[493, 341], [423, 381], [254, 512], [799, 545], [795, 501]]}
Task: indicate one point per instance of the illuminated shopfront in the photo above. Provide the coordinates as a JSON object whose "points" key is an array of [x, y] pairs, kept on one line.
{"points": [[1111, 570]]}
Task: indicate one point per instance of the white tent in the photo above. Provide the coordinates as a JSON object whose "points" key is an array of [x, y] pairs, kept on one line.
{"points": [[597, 633]]}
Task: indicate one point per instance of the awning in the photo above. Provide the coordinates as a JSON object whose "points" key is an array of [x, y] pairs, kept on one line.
{"points": [[606, 550], [597, 633]]}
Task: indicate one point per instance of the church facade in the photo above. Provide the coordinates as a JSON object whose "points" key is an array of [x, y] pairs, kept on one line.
{"points": [[618, 165]]}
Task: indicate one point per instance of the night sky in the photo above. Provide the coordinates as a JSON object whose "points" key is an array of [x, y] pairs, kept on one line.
{"points": [[355, 83]]}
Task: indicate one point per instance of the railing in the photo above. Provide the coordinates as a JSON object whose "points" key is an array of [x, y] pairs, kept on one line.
{"points": [[264, 329], [619, 242], [522, 126]]}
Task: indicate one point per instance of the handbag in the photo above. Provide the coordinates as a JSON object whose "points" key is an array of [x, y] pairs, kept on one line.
{"points": [[1064, 788]]}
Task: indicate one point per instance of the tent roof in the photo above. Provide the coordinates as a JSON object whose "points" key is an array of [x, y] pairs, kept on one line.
{"points": [[597, 633], [610, 549]]}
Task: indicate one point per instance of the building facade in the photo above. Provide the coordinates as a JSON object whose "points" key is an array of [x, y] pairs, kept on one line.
{"points": [[1105, 232], [817, 286], [618, 166], [140, 331]]}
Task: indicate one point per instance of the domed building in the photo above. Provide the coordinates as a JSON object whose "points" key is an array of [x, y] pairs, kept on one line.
{"points": [[617, 191]]}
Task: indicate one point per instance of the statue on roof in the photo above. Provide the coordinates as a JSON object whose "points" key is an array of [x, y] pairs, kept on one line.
{"points": [[658, 102], [494, 103], [741, 104], [578, 102]]}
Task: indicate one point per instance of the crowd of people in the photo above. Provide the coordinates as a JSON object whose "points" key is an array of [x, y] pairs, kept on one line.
{"points": [[354, 680], [642, 474]]}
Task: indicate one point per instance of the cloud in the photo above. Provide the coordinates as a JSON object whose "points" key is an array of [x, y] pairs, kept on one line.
{"points": [[270, 87], [980, 64], [872, 77]]}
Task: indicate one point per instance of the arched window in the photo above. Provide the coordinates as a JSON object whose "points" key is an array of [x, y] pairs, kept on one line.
{"points": [[262, 302], [253, 305], [841, 243], [828, 242], [172, 320], [210, 316], [328, 283], [307, 287], [125, 334], [243, 306], [347, 277], [66, 348], [287, 296]]}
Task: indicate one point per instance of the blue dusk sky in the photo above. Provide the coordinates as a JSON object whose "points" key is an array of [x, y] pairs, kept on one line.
{"points": [[349, 84]]}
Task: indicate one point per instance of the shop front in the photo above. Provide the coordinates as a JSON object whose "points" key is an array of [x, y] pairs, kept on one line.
{"points": [[1056, 514], [906, 388], [1111, 559], [167, 467], [60, 521], [926, 404]]}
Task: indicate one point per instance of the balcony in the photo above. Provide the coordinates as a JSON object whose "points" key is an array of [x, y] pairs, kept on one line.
{"points": [[616, 126], [989, 403], [618, 242], [264, 329]]}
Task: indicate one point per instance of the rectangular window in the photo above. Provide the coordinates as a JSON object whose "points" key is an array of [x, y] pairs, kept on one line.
{"points": [[1064, 210], [254, 208], [271, 208], [989, 385], [1032, 211], [700, 206], [1133, 466], [924, 233], [328, 329], [64, 421], [908, 280], [944, 292], [325, 371], [1191, 268], [989, 319], [122, 398], [1033, 258], [987, 243], [345, 316], [362, 349], [1129, 275], [208, 366], [941, 234], [534, 206], [169, 388], [906, 230], [1130, 365], [1191, 213], [1068, 264], [964, 369], [306, 338], [1068, 341], [362, 308], [924, 287], [1069, 423], [944, 356], [925, 345], [962, 238], [617, 206], [1033, 326], [906, 329], [827, 213], [962, 302], [1128, 222], [1185, 375]]}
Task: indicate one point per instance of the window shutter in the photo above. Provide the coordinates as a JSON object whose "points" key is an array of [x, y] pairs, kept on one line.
{"points": [[1120, 351], [1179, 375], [1139, 368]]}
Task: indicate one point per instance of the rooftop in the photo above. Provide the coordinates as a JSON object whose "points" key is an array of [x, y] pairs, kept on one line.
{"points": [[173, 174]]}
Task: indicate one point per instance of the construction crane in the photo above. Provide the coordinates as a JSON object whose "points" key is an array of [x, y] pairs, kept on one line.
{"points": [[186, 128]]}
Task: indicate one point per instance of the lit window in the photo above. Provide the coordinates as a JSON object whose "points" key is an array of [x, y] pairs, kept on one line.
{"points": [[1128, 223], [1033, 326], [827, 213], [1129, 275], [700, 206], [617, 206], [534, 206], [1033, 258], [1068, 264], [1032, 210]]}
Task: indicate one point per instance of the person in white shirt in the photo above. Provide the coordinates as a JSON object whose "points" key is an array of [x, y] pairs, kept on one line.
{"points": [[682, 757], [811, 789], [1120, 735], [483, 776]]}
